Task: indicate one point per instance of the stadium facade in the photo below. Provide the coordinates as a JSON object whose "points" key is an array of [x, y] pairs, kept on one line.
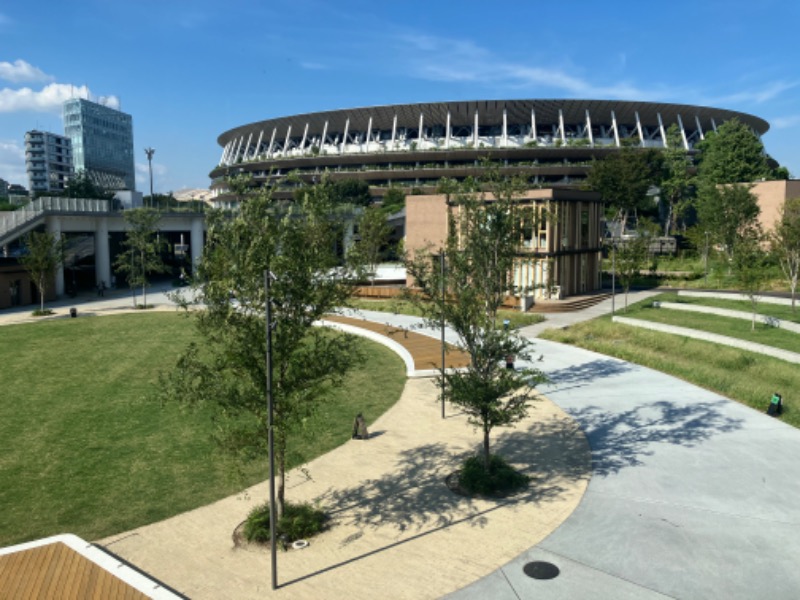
{"points": [[550, 142]]}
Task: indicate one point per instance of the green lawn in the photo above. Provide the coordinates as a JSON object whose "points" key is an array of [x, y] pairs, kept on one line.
{"points": [[737, 328], [747, 377], [83, 448]]}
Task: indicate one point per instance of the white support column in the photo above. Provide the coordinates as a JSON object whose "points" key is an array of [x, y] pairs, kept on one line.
{"points": [[305, 136], [258, 144], [561, 126], [344, 137], [324, 135], [196, 241], [288, 139], [475, 131], [447, 132], [662, 130], [699, 127], [272, 142], [369, 133], [639, 129], [247, 146], [713, 124], [54, 229], [102, 255], [238, 147], [419, 132], [683, 134], [394, 132], [224, 156], [589, 129], [614, 128], [505, 128], [533, 125]]}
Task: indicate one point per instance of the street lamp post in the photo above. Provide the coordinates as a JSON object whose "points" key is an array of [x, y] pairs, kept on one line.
{"points": [[444, 299], [613, 273], [273, 519], [149, 152]]}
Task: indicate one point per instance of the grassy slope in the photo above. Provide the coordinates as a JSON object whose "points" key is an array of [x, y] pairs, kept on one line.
{"points": [[744, 376], [83, 449]]}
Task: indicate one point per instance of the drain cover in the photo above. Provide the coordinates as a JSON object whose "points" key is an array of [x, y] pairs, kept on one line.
{"points": [[541, 570]]}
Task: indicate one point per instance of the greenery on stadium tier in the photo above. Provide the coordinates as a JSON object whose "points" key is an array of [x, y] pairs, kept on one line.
{"points": [[88, 449]]}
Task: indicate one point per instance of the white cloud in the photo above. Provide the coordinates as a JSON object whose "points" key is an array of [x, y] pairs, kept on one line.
{"points": [[20, 71], [451, 60], [48, 99], [143, 177], [12, 162], [761, 94], [785, 122]]}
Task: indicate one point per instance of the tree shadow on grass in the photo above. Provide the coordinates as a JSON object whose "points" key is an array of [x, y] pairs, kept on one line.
{"points": [[621, 439], [413, 501]]}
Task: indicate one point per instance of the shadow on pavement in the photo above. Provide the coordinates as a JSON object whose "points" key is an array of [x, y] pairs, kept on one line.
{"points": [[415, 501], [586, 373], [620, 439]]}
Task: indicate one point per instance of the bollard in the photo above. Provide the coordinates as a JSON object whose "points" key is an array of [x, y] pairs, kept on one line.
{"points": [[73, 312]]}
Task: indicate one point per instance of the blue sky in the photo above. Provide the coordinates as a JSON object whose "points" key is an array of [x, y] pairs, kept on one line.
{"points": [[188, 70]]}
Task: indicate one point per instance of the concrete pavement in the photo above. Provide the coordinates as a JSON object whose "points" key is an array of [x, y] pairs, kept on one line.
{"points": [[692, 495]]}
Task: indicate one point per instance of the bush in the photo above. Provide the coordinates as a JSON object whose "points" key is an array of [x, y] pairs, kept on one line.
{"points": [[499, 480], [42, 313], [298, 521]]}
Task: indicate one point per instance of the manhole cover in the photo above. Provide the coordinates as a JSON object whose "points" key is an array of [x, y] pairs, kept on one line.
{"points": [[541, 570]]}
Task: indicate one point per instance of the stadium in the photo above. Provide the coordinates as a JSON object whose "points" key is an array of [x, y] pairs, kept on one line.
{"points": [[550, 142]]}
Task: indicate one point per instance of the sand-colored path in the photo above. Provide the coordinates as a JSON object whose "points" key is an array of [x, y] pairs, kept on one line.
{"points": [[397, 531]]}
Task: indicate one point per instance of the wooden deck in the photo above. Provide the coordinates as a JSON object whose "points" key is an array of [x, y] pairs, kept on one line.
{"points": [[425, 350], [57, 571]]}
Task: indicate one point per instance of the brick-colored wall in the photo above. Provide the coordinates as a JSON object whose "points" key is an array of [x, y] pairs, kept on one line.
{"points": [[771, 197]]}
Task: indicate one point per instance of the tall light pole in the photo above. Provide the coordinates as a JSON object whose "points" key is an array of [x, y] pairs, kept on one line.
{"points": [[273, 518], [444, 300], [149, 152]]}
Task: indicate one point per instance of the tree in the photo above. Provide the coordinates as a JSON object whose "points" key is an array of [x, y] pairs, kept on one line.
{"points": [[631, 257], [676, 181], [45, 252], [750, 264], [732, 154], [785, 243], [481, 243], [351, 191], [623, 179], [142, 254], [82, 186], [373, 235], [295, 242], [726, 211], [394, 200]]}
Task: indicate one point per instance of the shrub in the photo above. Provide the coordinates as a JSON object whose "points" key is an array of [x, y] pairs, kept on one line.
{"points": [[298, 521], [42, 313], [499, 480]]}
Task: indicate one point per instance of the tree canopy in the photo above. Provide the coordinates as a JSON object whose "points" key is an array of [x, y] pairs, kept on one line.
{"points": [[45, 252], [142, 250], [785, 244], [623, 179], [82, 186], [296, 242], [482, 241], [726, 211], [732, 154]]}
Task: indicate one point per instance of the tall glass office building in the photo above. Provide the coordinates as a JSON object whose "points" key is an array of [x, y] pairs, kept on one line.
{"points": [[102, 143]]}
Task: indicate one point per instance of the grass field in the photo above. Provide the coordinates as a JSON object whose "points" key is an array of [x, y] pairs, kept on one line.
{"points": [[84, 449], [745, 376]]}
